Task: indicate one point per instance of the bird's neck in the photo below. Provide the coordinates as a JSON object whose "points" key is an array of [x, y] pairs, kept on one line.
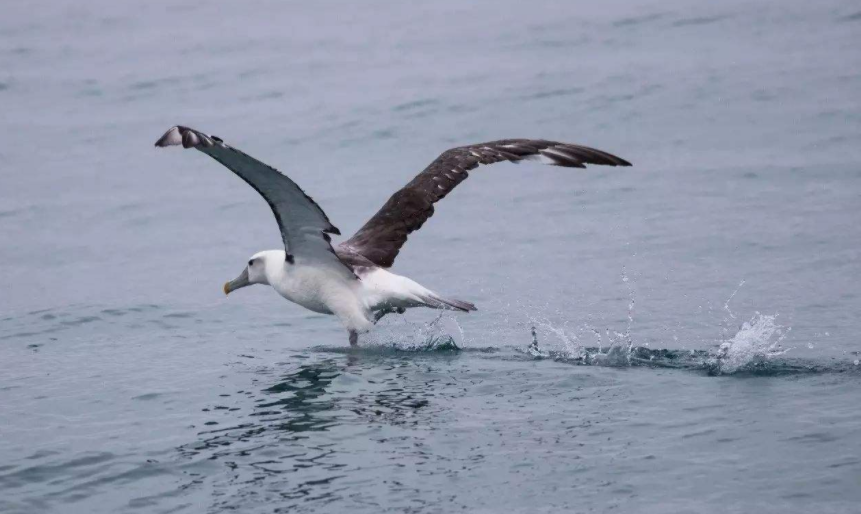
{"points": [[276, 266]]}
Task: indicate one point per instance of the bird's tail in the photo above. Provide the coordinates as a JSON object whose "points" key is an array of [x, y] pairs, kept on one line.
{"points": [[436, 302]]}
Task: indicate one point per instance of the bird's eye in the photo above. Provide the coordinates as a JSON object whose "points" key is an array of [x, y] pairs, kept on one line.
{"points": [[251, 262]]}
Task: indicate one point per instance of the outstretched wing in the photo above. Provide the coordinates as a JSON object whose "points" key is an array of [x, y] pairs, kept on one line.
{"points": [[304, 226], [382, 237]]}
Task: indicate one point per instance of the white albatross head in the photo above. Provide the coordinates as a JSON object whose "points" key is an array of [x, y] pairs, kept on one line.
{"points": [[261, 268]]}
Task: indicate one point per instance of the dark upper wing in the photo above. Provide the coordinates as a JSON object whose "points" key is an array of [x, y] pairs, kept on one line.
{"points": [[304, 226], [382, 237]]}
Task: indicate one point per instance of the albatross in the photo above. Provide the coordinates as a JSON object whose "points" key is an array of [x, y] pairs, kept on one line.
{"points": [[352, 280]]}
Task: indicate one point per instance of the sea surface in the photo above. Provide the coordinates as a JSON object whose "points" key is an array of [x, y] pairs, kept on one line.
{"points": [[681, 336]]}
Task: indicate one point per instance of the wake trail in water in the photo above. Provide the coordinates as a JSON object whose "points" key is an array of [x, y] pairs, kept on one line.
{"points": [[755, 347]]}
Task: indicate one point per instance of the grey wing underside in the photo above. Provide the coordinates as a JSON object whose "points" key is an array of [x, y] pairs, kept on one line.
{"points": [[382, 237], [305, 228]]}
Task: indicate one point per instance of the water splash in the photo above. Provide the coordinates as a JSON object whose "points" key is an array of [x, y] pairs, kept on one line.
{"points": [[440, 343], [755, 342], [631, 303], [750, 349], [390, 347], [618, 351], [533, 348], [613, 348], [436, 335], [726, 303]]}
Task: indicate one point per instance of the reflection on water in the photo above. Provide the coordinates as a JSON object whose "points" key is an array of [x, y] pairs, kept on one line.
{"points": [[299, 401], [291, 442]]}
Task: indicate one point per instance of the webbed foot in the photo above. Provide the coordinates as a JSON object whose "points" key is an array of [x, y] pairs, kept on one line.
{"points": [[382, 312]]}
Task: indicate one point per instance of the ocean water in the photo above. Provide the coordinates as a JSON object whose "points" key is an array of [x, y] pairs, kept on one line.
{"points": [[679, 336]]}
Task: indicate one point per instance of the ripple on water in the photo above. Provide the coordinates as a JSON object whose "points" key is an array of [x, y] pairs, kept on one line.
{"points": [[336, 399]]}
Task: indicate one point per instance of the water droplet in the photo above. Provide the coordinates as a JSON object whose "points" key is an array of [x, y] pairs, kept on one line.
{"points": [[856, 362], [810, 345]]}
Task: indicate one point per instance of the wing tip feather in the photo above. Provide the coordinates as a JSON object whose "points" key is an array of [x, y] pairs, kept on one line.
{"points": [[172, 137], [187, 137]]}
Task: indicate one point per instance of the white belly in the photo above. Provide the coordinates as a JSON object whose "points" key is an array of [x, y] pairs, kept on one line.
{"points": [[321, 290]]}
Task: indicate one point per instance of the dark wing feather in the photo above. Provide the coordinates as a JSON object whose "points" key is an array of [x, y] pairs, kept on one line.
{"points": [[304, 226], [382, 237]]}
